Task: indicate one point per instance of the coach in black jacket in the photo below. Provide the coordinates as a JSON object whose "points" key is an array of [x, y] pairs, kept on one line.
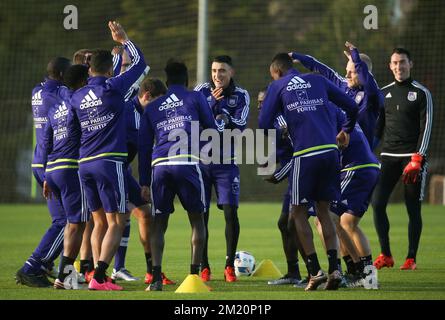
{"points": [[406, 125]]}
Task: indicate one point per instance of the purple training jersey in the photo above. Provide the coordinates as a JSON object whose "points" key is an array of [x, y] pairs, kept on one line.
{"points": [[100, 109], [172, 113], [367, 96], [303, 101]]}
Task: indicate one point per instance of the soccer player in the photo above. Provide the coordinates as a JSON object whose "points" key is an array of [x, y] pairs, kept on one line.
{"points": [[173, 172], [406, 126], [100, 107], [359, 84], [225, 99], [62, 142], [284, 152], [82, 56], [121, 62], [150, 89], [303, 100], [86, 270], [360, 170], [44, 97]]}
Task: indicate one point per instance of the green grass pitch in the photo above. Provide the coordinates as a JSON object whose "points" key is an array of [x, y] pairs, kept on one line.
{"points": [[21, 227]]}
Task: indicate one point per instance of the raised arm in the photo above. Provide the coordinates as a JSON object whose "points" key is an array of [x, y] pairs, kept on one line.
{"points": [[364, 75], [314, 65], [137, 69], [117, 60]]}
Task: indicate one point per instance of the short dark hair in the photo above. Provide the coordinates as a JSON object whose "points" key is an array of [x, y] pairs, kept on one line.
{"points": [[154, 86], [176, 72], [223, 59], [400, 50], [101, 61], [82, 56], [57, 67], [282, 62], [76, 76]]}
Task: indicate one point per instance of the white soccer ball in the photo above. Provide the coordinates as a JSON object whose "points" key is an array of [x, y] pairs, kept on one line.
{"points": [[244, 263]]}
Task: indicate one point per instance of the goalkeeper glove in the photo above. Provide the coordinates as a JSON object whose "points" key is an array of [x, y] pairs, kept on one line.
{"points": [[412, 169]]}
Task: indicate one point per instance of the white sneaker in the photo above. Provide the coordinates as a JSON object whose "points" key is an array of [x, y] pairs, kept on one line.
{"points": [[123, 274]]}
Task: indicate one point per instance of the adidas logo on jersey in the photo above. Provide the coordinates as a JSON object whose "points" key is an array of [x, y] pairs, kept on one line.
{"points": [[297, 83], [171, 102], [90, 100], [62, 110], [389, 95], [36, 99]]}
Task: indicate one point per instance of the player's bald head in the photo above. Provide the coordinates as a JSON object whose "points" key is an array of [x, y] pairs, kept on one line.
{"points": [[366, 59]]}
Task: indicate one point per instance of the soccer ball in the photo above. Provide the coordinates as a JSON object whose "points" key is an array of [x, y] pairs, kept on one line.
{"points": [[244, 263]]}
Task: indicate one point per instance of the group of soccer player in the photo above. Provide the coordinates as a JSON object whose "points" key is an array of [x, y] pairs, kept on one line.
{"points": [[328, 128], [93, 116]]}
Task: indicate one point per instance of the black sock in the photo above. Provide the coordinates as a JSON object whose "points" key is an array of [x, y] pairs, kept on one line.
{"points": [[313, 264], [91, 265], [148, 261], [293, 269], [332, 258], [339, 264], [99, 273], [194, 269], [350, 267], [305, 263], [157, 274], [66, 261], [232, 231], [366, 261], [205, 255], [358, 267], [84, 265]]}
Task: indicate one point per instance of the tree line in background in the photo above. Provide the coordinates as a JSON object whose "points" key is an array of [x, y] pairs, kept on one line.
{"points": [[251, 31]]}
